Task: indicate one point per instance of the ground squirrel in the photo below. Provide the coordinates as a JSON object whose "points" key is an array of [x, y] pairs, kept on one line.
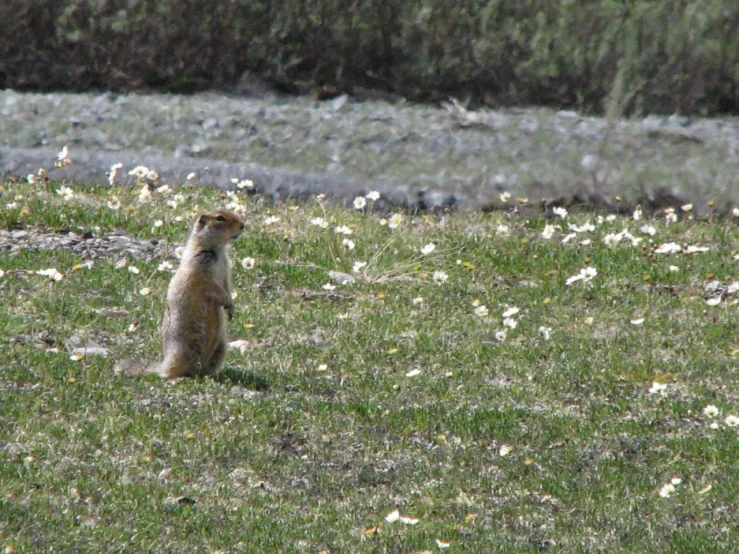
{"points": [[199, 295]]}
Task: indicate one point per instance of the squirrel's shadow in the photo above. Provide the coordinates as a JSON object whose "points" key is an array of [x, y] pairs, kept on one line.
{"points": [[248, 380]]}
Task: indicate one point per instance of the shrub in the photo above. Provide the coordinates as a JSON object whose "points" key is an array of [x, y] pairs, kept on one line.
{"points": [[677, 55]]}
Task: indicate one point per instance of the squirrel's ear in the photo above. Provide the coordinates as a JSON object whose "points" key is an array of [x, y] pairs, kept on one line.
{"points": [[201, 222]]}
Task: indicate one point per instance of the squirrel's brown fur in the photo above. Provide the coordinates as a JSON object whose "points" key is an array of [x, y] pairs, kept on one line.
{"points": [[198, 298]]}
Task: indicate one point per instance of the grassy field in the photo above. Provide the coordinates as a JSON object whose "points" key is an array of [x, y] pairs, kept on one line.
{"points": [[488, 383]]}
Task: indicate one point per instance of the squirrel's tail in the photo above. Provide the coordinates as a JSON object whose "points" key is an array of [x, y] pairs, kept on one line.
{"points": [[132, 368]]}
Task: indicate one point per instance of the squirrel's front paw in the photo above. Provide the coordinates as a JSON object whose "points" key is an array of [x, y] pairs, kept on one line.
{"points": [[230, 310]]}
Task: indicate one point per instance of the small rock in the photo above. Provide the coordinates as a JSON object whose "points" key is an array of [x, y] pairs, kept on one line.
{"points": [[341, 278], [339, 102]]}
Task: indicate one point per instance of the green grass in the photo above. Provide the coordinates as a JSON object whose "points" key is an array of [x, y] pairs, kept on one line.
{"points": [[321, 424]]}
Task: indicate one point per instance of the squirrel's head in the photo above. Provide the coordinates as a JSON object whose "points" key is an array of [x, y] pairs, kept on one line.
{"points": [[220, 224]]}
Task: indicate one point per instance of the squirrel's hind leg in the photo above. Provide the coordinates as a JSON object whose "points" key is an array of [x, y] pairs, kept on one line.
{"points": [[216, 358]]}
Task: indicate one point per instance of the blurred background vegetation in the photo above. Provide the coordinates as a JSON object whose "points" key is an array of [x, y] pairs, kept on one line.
{"points": [[658, 56]]}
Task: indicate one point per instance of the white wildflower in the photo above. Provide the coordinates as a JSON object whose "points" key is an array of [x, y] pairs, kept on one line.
{"points": [[348, 243], [440, 277], [248, 262], [710, 411], [548, 231], [667, 490], [139, 171], [510, 323], [51, 273], [145, 194], [395, 221], [236, 207], [612, 239], [668, 248], [634, 240], [342, 230], [586, 275], [427, 249], [359, 202], [319, 222], [372, 195], [66, 193], [586, 227], [393, 516], [510, 312]]}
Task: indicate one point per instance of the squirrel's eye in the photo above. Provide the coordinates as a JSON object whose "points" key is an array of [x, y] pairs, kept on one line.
{"points": [[220, 218]]}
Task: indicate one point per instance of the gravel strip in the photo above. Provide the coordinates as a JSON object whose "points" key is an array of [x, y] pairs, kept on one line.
{"points": [[416, 155], [87, 245]]}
